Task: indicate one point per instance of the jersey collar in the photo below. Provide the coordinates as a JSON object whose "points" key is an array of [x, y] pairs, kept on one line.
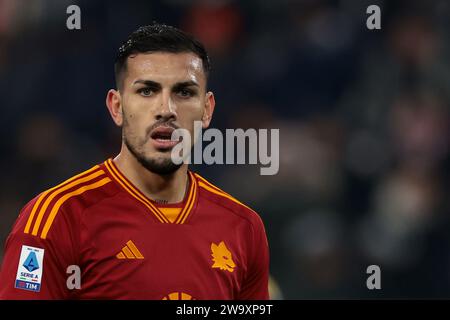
{"points": [[131, 189]]}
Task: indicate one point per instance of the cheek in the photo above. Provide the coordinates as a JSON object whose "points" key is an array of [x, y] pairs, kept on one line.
{"points": [[134, 125], [190, 111], [188, 117], [137, 114]]}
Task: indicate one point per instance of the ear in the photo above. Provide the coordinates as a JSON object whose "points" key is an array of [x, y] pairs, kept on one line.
{"points": [[114, 104], [210, 103]]}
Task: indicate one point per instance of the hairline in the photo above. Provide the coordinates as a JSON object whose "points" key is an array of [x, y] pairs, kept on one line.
{"points": [[124, 65]]}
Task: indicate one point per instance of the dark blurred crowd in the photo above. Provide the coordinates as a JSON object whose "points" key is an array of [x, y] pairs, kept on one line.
{"points": [[363, 118]]}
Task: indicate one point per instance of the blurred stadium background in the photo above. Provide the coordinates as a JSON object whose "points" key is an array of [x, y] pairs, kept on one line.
{"points": [[363, 118]]}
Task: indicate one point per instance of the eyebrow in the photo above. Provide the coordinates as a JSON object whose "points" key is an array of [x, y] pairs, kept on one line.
{"points": [[178, 85], [148, 83], [181, 85]]}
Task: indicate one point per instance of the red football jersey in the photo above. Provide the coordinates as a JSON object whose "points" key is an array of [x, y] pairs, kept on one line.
{"points": [[127, 248]]}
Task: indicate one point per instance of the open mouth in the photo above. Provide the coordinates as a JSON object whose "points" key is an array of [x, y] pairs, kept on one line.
{"points": [[161, 137], [162, 133]]}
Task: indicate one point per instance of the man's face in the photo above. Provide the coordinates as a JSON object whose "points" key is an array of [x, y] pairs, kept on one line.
{"points": [[162, 92]]}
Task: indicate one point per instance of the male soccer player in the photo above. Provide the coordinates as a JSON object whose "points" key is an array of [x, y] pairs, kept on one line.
{"points": [[139, 226]]}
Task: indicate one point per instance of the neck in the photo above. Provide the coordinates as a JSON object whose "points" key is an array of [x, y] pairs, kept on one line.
{"points": [[169, 188]]}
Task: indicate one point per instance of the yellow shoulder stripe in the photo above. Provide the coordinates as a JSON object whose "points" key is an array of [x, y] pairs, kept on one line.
{"points": [[44, 194], [220, 193], [60, 202], [58, 192]]}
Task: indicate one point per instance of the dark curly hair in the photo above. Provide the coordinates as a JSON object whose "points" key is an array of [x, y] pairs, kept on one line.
{"points": [[158, 38]]}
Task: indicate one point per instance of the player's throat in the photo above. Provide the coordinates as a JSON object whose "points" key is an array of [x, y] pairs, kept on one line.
{"points": [[155, 187], [172, 210]]}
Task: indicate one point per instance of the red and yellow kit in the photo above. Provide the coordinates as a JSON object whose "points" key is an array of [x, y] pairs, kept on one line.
{"points": [[210, 246]]}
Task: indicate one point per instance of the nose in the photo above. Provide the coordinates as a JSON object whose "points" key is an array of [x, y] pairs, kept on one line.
{"points": [[166, 109]]}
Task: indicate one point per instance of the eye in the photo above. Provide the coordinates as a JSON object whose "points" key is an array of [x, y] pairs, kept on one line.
{"points": [[145, 92], [185, 93]]}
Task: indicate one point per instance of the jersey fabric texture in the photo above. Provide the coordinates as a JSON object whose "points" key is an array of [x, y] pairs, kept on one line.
{"points": [[210, 246]]}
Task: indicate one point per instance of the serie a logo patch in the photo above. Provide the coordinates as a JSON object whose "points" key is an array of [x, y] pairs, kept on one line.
{"points": [[29, 271]]}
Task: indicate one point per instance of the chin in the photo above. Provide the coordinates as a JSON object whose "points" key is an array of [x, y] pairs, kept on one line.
{"points": [[159, 165], [155, 161]]}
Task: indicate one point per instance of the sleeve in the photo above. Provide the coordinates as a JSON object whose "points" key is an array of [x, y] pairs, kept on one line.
{"points": [[256, 283], [33, 267]]}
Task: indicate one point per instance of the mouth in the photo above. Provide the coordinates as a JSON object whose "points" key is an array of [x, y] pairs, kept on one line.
{"points": [[161, 138]]}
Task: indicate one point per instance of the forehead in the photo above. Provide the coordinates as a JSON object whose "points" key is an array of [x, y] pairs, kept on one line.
{"points": [[165, 66]]}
